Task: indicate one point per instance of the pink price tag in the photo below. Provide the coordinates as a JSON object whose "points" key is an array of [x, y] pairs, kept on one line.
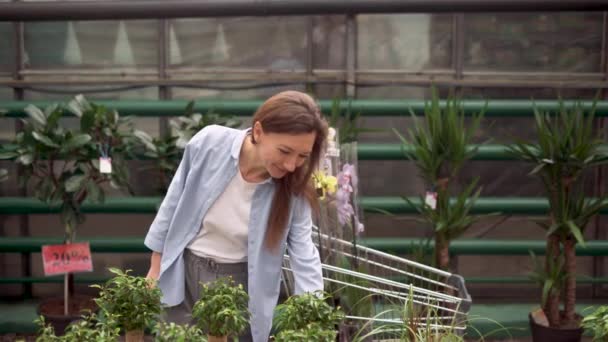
{"points": [[68, 258]]}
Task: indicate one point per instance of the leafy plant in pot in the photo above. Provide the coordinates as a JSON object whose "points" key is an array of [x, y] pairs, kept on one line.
{"points": [[566, 148], [308, 313], [90, 329], [63, 165], [171, 332], [166, 151], [439, 146], [597, 324], [221, 310], [132, 300]]}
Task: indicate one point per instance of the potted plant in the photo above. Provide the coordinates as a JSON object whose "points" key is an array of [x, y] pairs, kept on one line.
{"points": [[307, 312], [221, 309], [166, 151], [566, 147], [135, 304], [597, 324], [89, 329], [439, 147], [171, 332], [311, 332], [63, 165]]}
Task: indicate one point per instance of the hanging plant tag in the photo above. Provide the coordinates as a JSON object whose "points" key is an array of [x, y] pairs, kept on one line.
{"points": [[67, 258], [430, 199], [105, 165]]}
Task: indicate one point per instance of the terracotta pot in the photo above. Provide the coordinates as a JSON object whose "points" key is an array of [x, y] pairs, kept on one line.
{"points": [[541, 333], [52, 311], [211, 338], [134, 336]]}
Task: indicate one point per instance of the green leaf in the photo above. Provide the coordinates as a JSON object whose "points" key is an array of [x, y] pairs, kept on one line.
{"points": [[35, 114], [76, 141], [26, 159], [3, 175], [576, 232], [78, 105], [74, 183], [44, 139]]}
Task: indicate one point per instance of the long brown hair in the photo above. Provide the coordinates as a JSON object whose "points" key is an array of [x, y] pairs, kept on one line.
{"points": [[292, 112]]}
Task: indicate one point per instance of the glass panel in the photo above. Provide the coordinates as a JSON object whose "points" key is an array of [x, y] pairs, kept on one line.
{"points": [[91, 43], [329, 42], [246, 94], [7, 47], [404, 41], [273, 42], [533, 42]]}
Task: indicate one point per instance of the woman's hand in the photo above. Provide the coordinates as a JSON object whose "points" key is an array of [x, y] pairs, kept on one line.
{"points": [[154, 271]]}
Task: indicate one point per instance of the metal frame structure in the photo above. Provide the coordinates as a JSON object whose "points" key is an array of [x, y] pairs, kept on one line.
{"points": [[351, 76]]}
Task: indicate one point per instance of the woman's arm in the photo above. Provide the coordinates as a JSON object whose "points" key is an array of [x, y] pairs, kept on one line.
{"points": [[303, 255], [154, 271]]}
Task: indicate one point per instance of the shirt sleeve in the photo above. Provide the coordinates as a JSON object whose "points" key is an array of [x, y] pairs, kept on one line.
{"points": [[303, 255], [155, 239]]}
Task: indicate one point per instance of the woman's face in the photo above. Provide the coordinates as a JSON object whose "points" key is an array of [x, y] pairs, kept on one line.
{"points": [[282, 153]]}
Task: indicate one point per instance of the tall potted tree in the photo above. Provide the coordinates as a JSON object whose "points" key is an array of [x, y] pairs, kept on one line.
{"points": [[67, 166], [439, 146], [567, 145]]}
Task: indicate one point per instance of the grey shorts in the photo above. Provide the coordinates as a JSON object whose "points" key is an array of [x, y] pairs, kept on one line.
{"points": [[203, 270]]}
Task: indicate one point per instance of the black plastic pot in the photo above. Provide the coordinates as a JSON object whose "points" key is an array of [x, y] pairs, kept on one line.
{"points": [[60, 321], [547, 334]]}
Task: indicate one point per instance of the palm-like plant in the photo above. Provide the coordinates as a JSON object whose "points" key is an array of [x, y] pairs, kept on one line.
{"points": [[566, 146], [440, 146]]}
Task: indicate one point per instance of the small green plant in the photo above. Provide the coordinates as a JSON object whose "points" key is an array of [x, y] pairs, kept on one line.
{"points": [[222, 308], [597, 324], [297, 312], [89, 329], [171, 332], [313, 332], [132, 300]]}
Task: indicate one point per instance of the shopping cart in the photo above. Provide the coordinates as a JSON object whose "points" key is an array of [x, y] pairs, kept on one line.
{"points": [[385, 296]]}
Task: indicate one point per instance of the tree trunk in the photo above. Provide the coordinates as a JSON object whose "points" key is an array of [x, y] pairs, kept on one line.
{"points": [[570, 293], [552, 306], [442, 253]]}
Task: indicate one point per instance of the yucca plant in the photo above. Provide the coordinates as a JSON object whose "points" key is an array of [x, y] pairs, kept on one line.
{"points": [[566, 146], [439, 145]]}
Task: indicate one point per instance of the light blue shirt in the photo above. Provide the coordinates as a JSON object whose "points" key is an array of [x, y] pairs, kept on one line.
{"points": [[210, 161]]}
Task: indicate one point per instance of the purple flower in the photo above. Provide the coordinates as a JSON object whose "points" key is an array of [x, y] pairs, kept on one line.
{"points": [[345, 209]]}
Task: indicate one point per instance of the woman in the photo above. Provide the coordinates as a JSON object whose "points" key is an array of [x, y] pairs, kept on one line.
{"points": [[238, 200]]}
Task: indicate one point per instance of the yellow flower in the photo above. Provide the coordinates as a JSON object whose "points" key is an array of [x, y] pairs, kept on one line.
{"points": [[324, 184]]}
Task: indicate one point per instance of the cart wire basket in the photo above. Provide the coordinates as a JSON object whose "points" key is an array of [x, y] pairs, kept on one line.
{"points": [[387, 297]]}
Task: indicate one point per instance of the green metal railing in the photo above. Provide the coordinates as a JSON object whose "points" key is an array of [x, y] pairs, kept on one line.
{"points": [[153, 108], [395, 205]]}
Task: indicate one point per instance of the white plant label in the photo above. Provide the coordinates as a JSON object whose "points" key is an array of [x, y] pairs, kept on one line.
{"points": [[430, 199], [105, 165]]}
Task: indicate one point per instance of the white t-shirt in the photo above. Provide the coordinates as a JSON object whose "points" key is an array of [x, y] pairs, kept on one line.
{"points": [[223, 233]]}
